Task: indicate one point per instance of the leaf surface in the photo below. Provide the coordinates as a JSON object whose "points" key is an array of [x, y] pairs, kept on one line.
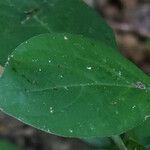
{"points": [[21, 20], [74, 86]]}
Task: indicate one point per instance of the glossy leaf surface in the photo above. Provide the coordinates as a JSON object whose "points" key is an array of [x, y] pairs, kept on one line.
{"points": [[23, 19], [73, 86]]}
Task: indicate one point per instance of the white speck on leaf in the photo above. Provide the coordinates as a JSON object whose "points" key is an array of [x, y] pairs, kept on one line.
{"points": [[8, 58], [49, 61], [119, 73], [12, 56], [34, 60], [25, 20], [70, 130], [133, 107], [66, 88], [65, 38], [114, 103], [140, 85], [147, 117], [40, 69], [51, 109], [61, 76], [88, 68], [6, 64]]}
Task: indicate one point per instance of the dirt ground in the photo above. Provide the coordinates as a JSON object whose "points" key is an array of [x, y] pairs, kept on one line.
{"points": [[130, 20]]}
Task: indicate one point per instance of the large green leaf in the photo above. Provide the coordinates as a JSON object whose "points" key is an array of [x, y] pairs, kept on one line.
{"points": [[23, 19], [73, 86]]}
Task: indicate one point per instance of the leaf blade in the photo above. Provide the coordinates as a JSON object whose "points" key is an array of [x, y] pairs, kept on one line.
{"points": [[20, 21], [74, 87]]}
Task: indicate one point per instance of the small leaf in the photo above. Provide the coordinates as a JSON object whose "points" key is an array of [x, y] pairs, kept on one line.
{"points": [[141, 134], [7, 146], [20, 20], [73, 86], [148, 43]]}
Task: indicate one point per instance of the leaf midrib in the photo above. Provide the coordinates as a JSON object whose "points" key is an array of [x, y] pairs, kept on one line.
{"points": [[86, 85]]}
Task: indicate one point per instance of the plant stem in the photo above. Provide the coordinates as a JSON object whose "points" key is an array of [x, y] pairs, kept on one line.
{"points": [[118, 141]]}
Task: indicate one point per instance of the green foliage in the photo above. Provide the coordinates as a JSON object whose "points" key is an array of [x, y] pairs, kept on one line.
{"points": [[7, 146], [148, 43], [141, 134], [74, 86], [21, 20], [71, 82]]}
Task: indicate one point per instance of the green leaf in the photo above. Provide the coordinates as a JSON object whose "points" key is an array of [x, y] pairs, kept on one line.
{"points": [[7, 146], [148, 43], [21, 20], [141, 134], [74, 86]]}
